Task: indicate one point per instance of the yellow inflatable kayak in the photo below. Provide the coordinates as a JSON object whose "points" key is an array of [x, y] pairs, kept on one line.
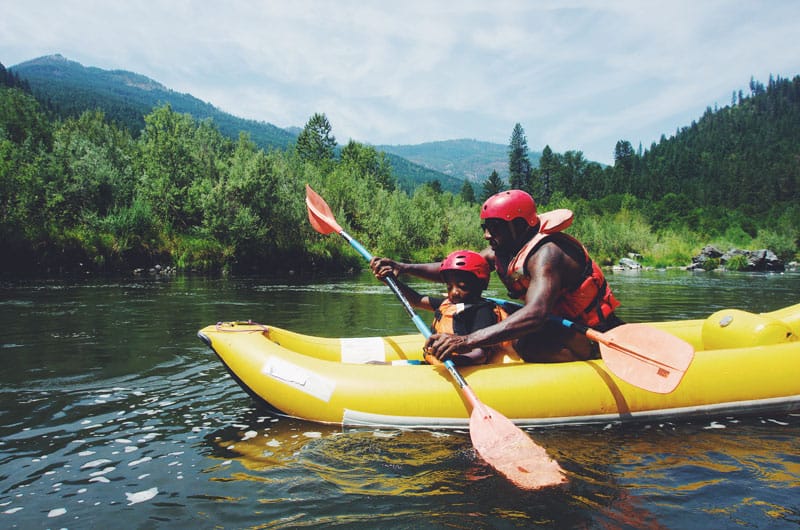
{"points": [[743, 363]]}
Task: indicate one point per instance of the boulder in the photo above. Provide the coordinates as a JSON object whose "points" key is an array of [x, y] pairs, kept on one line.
{"points": [[762, 260], [629, 264]]}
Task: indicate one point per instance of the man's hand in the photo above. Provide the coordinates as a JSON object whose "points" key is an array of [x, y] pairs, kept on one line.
{"points": [[443, 345]]}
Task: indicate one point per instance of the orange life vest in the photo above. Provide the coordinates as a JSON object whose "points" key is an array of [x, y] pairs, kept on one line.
{"points": [[445, 315], [590, 303], [444, 322]]}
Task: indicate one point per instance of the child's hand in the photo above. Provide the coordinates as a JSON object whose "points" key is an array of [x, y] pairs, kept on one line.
{"points": [[443, 345], [383, 267]]}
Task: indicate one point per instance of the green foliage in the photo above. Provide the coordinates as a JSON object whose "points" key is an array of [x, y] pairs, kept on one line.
{"points": [[467, 192], [784, 245], [613, 236], [82, 192], [315, 142], [671, 247], [492, 186], [67, 89], [368, 161], [126, 97], [410, 175], [201, 254], [519, 165], [711, 264], [736, 263], [543, 186], [22, 120], [12, 80]]}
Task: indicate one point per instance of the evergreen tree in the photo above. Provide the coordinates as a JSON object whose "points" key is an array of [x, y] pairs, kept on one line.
{"points": [[492, 185], [435, 186], [570, 173], [315, 142], [519, 165], [368, 161], [10, 79], [468, 192], [624, 160], [548, 168]]}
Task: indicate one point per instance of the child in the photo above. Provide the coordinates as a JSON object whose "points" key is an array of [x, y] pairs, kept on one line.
{"points": [[466, 274]]}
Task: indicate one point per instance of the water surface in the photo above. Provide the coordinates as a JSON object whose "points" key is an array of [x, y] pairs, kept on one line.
{"points": [[113, 413]]}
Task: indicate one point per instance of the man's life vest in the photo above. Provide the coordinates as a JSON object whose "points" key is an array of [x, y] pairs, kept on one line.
{"points": [[590, 303]]}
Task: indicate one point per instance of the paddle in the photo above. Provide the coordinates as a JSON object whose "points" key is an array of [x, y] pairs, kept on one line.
{"points": [[503, 445], [642, 355], [639, 354], [321, 218], [496, 439]]}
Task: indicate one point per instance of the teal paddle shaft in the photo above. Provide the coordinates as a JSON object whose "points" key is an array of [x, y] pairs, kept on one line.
{"points": [[392, 283]]}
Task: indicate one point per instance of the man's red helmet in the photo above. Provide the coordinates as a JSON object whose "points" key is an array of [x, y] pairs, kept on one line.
{"points": [[509, 205]]}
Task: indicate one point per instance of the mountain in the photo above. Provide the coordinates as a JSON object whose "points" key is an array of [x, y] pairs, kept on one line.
{"points": [[410, 174], [69, 88], [472, 160]]}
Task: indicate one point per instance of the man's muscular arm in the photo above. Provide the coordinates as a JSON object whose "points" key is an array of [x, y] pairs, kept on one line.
{"points": [[547, 269]]}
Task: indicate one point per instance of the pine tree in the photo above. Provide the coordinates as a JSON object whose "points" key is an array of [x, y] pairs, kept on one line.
{"points": [[315, 142], [468, 192], [492, 185], [519, 165], [548, 167], [624, 159]]}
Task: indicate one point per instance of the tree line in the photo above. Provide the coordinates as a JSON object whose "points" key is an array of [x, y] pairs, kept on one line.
{"points": [[80, 193], [732, 176]]}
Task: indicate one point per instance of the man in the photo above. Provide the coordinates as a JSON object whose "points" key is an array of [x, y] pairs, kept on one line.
{"points": [[550, 271]]}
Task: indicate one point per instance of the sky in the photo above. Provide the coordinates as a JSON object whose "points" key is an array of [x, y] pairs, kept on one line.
{"points": [[577, 75]]}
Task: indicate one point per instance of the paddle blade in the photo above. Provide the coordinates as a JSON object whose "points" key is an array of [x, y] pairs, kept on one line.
{"points": [[509, 450], [645, 356], [319, 213]]}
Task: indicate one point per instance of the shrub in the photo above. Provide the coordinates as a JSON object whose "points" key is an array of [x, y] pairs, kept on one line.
{"points": [[737, 263], [711, 264]]}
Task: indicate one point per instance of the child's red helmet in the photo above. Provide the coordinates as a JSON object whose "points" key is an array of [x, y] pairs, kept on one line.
{"points": [[467, 261]]}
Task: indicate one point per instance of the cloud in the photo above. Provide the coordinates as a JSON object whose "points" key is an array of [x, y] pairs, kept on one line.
{"points": [[577, 75]]}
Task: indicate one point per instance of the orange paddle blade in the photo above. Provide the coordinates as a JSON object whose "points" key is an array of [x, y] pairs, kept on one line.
{"points": [[319, 213], [645, 356], [509, 450], [506, 447]]}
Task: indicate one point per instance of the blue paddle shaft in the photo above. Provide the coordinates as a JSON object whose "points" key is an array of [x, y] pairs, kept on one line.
{"points": [[356, 245], [513, 306], [580, 328], [451, 367], [390, 281]]}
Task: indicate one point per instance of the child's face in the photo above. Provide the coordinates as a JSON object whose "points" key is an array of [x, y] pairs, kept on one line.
{"points": [[462, 286]]}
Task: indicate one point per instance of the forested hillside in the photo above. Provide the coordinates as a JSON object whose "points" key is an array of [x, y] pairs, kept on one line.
{"points": [[735, 168], [83, 193], [67, 89]]}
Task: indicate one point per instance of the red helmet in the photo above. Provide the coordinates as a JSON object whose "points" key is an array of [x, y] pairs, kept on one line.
{"points": [[508, 205], [467, 261]]}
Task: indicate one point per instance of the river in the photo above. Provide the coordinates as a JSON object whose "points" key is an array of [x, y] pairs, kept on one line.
{"points": [[114, 414]]}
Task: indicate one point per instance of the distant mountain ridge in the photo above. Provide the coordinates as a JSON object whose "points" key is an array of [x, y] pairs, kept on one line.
{"points": [[126, 97], [70, 88], [469, 159]]}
